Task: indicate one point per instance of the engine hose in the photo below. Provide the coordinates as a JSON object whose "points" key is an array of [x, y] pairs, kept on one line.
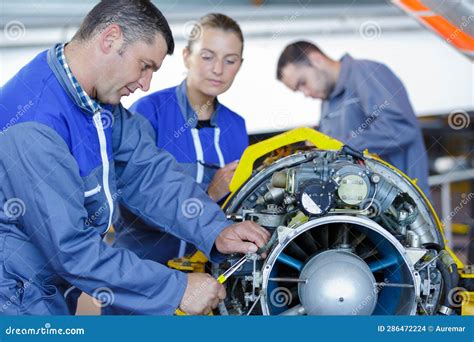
{"points": [[455, 275], [346, 149], [432, 245], [448, 260], [269, 244], [448, 284], [388, 224]]}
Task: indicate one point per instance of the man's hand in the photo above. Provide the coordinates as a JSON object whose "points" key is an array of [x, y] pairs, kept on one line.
{"points": [[202, 294], [243, 237], [219, 186]]}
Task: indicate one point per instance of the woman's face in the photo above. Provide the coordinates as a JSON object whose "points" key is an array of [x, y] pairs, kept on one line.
{"points": [[214, 60]]}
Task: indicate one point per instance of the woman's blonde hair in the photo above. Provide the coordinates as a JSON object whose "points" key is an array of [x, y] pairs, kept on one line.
{"points": [[218, 21]]}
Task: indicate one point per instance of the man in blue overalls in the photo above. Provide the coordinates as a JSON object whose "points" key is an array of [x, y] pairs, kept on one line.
{"points": [[70, 153], [364, 105]]}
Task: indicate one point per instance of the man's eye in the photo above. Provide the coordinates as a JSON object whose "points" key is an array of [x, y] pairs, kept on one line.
{"points": [[206, 57], [145, 66], [230, 61]]}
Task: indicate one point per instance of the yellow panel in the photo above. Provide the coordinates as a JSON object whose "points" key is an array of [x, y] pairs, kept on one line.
{"points": [[195, 263], [253, 152], [460, 228], [467, 308]]}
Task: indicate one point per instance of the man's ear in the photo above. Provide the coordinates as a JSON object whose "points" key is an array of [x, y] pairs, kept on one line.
{"points": [[111, 38], [316, 59]]}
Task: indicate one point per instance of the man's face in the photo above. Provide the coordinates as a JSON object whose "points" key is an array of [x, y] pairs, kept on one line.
{"points": [[312, 81], [214, 60], [131, 68]]}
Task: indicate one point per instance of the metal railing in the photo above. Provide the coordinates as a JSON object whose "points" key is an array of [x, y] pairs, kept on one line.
{"points": [[445, 180]]}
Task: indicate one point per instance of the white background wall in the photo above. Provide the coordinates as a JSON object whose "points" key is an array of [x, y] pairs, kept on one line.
{"points": [[438, 78]]}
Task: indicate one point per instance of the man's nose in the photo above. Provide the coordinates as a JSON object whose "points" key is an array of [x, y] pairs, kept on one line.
{"points": [[145, 81]]}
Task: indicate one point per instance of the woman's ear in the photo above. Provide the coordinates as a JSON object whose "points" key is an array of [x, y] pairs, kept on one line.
{"points": [[186, 56]]}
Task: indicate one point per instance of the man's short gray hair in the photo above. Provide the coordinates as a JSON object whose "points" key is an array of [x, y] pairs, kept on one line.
{"points": [[139, 20]]}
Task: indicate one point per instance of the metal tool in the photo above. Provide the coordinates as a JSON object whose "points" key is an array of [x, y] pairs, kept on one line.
{"points": [[231, 270], [222, 278]]}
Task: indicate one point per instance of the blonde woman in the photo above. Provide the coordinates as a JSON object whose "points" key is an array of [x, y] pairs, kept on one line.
{"points": [[204, 136]]}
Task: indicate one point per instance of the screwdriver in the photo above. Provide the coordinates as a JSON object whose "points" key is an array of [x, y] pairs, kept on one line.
{"points": [[231, 270], [222, 278]]}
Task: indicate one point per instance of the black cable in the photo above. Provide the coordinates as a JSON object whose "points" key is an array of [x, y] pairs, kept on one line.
{"points": [[432, 245], [269, 244], [346, 149], [447, 282]]}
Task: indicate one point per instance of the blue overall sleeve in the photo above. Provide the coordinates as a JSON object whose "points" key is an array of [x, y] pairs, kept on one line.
{"points": [[149, 109], [37, 167], [391, 123], [155, 188]]}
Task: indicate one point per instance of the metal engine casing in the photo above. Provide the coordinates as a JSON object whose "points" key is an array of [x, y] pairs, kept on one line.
{"points": [[351, 235]]}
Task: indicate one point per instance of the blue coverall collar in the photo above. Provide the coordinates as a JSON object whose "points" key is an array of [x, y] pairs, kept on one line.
{"points": [[346, 62], [189, 114], [65, 82]]}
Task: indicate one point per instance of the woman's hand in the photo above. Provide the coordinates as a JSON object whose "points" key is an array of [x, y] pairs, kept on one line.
{"points": [[219, 186]]}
